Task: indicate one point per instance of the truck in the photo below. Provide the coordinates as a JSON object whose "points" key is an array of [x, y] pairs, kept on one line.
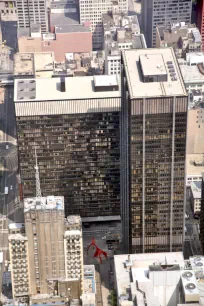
{"points": [[6, 190]]}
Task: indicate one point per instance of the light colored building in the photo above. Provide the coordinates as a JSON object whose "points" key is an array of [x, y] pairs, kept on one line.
{"points": [[193, 71], [195, 197], [91, 12], [32, 12], [44, 223], [39, 65], [73, 248], [194, 168], [157, 13], [19, 259], [164, 279], [89, 295], [120, 32], [154, 105], [8, 10], [63, 40], [182, 37]]}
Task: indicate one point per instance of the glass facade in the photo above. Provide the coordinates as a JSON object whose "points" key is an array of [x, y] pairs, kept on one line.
{"points": [[78, 158], [152, 185]]}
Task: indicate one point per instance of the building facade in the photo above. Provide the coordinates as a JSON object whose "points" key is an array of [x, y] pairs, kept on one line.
{"points": [[91, 14], [200, 19], [73, 248], [75, 126], [32, 12], [195, 197], [162, 13], [153, 147], [44, 224]]}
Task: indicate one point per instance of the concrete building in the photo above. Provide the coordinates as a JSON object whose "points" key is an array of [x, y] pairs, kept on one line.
{"points": [[74, 125], [19, 259], [91, 12], [195, 197], [89, 295], [32, 12], [183, 38], [44, 223], [73, 248], [39, 65], [193, 71], [63, 40], [157, 13], [154, 105], [159, 279], [202, 213], [120, 32], [8, 10]]}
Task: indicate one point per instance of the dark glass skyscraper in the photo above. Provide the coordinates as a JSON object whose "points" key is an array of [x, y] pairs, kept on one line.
{"points": [[153, 142], [74, 125]]}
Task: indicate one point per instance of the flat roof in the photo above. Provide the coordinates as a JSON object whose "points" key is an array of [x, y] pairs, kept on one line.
{"points": [[16, 225], [44, 61], [72, 86], [140, 89], [152, 64], [196, 189], [191, 74], [141, 261], [70, 28], [17, 237], [24, 64], [191, 168], [49, 202], [63, 19]]}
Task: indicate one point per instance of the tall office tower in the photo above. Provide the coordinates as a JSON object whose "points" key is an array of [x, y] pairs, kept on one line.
{"points": [[44, 224], [73, 248], [32, 12], [74, 125], [18, 250], [91, 14], [157, 13], [200, 19], [153, 132]]}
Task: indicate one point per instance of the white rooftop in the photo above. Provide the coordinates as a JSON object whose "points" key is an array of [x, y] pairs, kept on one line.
{"points": [[191, 74], [153, 64], [159, 58], [72, 233], [1, 257], [75, 88], [196, 189], [17, 237], [16, 225], [50, 202]]}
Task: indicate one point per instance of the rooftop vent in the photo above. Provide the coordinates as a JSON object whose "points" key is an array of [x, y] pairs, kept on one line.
{"points": [[187, 275], [190, 286], [62, 84]]}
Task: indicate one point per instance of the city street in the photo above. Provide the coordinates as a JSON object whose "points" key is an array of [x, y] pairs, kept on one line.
{"points": [[9, 203], [192, 243], [99, 231]]}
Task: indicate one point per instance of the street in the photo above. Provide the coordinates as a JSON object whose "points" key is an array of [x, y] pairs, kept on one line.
{"points": [[99, 232], [192, 243]]}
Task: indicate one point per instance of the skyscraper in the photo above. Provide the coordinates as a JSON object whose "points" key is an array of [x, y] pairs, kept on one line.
{"points": [[74, 125], [91, 13], [200, 19], [153, 133], [163, 12], [32, 12]]}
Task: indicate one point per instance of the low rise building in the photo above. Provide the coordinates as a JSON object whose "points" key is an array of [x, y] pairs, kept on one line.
{"points": [[159, 279], [195, 197], [37, 64], [182, 37], [63, 39], [120, 32], [89, 295]]}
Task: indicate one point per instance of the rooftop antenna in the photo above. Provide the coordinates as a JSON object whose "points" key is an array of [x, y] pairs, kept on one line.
{"points": [[37, 177]]}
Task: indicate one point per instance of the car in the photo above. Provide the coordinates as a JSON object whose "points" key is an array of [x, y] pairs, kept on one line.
{"points": [[11, 187], [7, 147]]}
